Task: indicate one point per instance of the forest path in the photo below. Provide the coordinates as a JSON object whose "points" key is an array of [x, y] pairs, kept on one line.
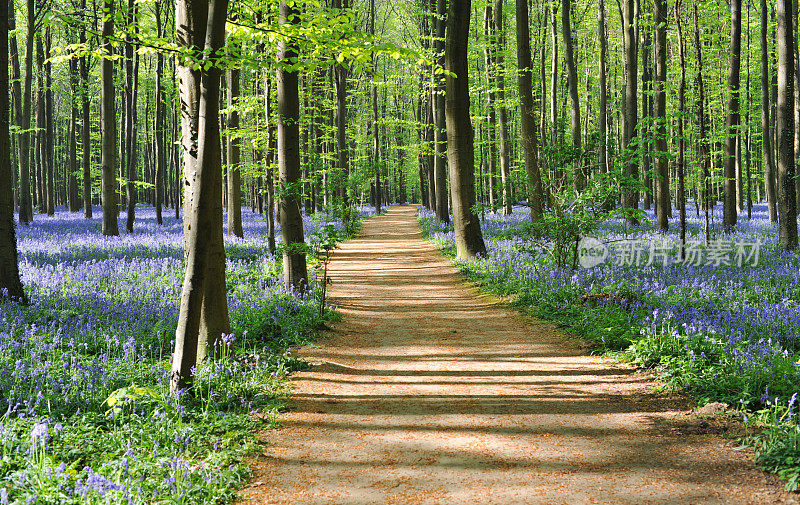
{"points": [[428, 392]]}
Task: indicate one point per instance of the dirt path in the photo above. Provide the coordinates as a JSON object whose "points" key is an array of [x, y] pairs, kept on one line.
{"points": [[429, 393]]}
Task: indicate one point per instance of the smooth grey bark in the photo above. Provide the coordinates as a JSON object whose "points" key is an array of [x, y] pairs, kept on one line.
{"points": [[572, 84], [295, 273], [108, 126], [460, 135], [160, 126], [660, 80], [200, 26], [681, 120], [729, 215], [630, 117], [528, 128], [499, 41], [234, 158], [784, 125], [440, 135], [766, 124], [10, 284], [602, 120], [85, 125]]}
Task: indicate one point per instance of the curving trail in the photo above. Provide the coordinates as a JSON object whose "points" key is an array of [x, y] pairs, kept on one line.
{"points": [[430, 393]]}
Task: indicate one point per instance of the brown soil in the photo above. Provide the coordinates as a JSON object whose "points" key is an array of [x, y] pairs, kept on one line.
{"points": [[428, 392]]}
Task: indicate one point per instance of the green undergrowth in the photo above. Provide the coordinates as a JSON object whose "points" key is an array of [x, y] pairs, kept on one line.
{"points": [[84, 380]]}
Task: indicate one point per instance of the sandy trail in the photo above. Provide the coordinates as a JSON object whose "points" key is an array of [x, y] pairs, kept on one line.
{"points": [[430, 393]]}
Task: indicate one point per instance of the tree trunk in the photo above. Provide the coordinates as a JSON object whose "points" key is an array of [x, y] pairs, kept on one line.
{"points": [[160, 130], [766, 145], [602, 125], [631, 103], [234, 158], [499, 42], [784, 124], [295, 274], [10, 284], [440, 136], [86, 125], [702, 141], [662, 162], [681, 139], [572, 82], [729, 216], [131, 146], [72, 161], [199, 92], [108, 125], [460, 136], [270, 160], [645, 128], [491, 118], [528, 120]]}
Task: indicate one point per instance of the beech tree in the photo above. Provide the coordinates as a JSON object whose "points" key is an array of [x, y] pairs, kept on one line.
{"points": [[784, 125], [108, 125], [295, 274], [200, 31], [460, 135], [10, 284]]}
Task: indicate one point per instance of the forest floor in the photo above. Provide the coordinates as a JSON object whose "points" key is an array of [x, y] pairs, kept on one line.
{"points": [[430, 392]]}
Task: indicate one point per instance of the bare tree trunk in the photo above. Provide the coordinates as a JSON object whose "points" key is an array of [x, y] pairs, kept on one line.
{"points": [[681, 120], [646, 125], [631, 102], [108, 125], [769, 165], [440, 136], [72, 160], [203, 165], [602, 124], [86, 125], [702, 141], [270, 159], [234, 158], [491, 118], [160, 130], [784, 124], [572, 82], [460, 135], [660, 81], [10, 284], [729, 216], [528, 121], [295, 274], [499, 41]]}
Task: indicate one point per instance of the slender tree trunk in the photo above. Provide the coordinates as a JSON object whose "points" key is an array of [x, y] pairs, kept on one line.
{"points": [[160, 116], [572, 82], [200, 25], [499, 42], [491, 117], [108, 125], [602, 125], [295, 274], [784, 124], [732, 122], [766, 126], [85, 125], [681, 120], [234, 158], [646, 125], [270, 160], [47, 134], [440, 136], [662, 163], [460, 135], [72, 161], [703, 146], [10, 284], [528, 121], [631, 102]]}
